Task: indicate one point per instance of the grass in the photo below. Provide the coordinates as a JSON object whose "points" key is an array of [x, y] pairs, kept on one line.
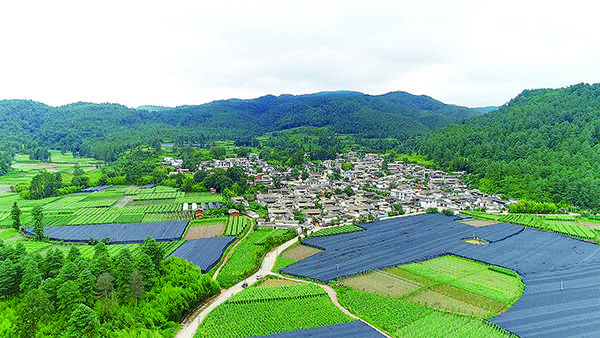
{"points": [[272, 309], [415, 158]]}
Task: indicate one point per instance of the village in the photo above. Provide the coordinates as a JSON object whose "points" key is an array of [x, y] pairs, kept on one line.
{"points": [[353, 188]]}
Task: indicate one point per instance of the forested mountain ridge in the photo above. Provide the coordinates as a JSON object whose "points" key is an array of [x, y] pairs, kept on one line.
{"points": [[542, 145], [396, 114], [102, 130]]}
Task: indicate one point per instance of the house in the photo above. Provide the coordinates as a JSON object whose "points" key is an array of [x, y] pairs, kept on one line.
{"points": [[233, 213]]}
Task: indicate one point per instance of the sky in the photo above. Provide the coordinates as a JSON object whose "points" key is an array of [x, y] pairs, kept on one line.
{"points": [[172, 53]]}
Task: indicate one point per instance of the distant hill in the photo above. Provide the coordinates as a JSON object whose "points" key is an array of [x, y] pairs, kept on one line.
{"points": [[485, 110], [101, 130], [396, 114], [543, 145], [154, 108]]}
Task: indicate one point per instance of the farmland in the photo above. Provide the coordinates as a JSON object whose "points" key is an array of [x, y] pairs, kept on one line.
{"points": [[236, 225], [336, 230], [247, 256], [272, 309], [402, 319], [446, 283], [559, 272]]}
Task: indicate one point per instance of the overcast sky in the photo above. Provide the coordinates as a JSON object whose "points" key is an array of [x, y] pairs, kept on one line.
{"points": [[471, 53]]}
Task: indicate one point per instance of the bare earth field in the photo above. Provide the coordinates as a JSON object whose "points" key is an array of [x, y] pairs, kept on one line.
{"points": [[205, 231], [299, 252], [440, 301], [277, 282], [479, 223], [382, 284]]}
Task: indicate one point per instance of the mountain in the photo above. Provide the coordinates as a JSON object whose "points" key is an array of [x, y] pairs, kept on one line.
{"points": [[396, 114], [485, 110], [101, 130], [543, 145]]}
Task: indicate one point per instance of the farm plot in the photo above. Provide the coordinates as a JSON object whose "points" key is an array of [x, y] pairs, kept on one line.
{"points": [[243, 261], [293, 254], [120, 233], [204, 252], [236, 225], [266, 310], [560, 224], [204, 231], [336, 230], [403, 319]]}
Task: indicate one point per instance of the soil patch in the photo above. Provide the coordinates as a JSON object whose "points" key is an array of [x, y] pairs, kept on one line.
{"points": [[205, 231], [277, 282], [299, 252], [479, 223], [381, 283], [123, 202], [437, 300]]}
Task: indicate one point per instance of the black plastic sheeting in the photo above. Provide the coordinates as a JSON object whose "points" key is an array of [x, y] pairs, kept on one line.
{"points": [[344, 330], [561, 274], [204, 252], [95, 189], [389, 243], [119, 233]]}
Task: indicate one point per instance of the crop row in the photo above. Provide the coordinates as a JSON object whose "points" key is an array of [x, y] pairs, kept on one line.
{"points": [[293, 291], [336, 230], [159, 195], [281, 315], [209, 221], [236, 225], [168, 216], [569, 229], [406, 319], [140, 209]]}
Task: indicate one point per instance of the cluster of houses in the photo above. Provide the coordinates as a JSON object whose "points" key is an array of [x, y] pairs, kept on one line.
{"points": [[368, 189]]}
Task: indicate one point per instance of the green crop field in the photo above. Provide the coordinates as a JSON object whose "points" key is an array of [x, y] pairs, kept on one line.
{"points": [[336, 230], [267, 310], [209, 221], [198, 197], [560, 224], [236, 225], [244, 260], [448, 283], [403, 319]]}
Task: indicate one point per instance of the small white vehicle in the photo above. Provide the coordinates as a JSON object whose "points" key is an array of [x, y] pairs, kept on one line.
{"points": [[259, 277]]}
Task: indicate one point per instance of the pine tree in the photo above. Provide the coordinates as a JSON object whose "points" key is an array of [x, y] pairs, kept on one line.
{"points": [[16, 216], [83, 323], [34, 307], [38, 225]]}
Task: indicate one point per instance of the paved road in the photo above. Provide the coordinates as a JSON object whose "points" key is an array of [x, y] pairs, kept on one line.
{"points": [[188, 331]]}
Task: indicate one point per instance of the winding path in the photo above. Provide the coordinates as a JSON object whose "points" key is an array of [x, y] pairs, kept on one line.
{"points": [[190, 325]]}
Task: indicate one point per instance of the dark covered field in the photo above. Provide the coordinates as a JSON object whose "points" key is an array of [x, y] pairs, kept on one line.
{"points": [[204, 252], [119, 233]]}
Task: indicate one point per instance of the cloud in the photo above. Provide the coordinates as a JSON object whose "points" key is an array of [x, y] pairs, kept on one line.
{"points": [[187, 52]]}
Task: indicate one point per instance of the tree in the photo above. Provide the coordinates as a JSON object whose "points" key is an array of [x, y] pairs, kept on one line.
{"points": [[105, 288], [124, 268], [152, 249], [16, 216], [69, 296], [34, 307], [38, 226], [9, 278], [136, 285], [87, 286], [32, 278], [53, 263], [146, 267], [83, 323], [73, 254]]}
